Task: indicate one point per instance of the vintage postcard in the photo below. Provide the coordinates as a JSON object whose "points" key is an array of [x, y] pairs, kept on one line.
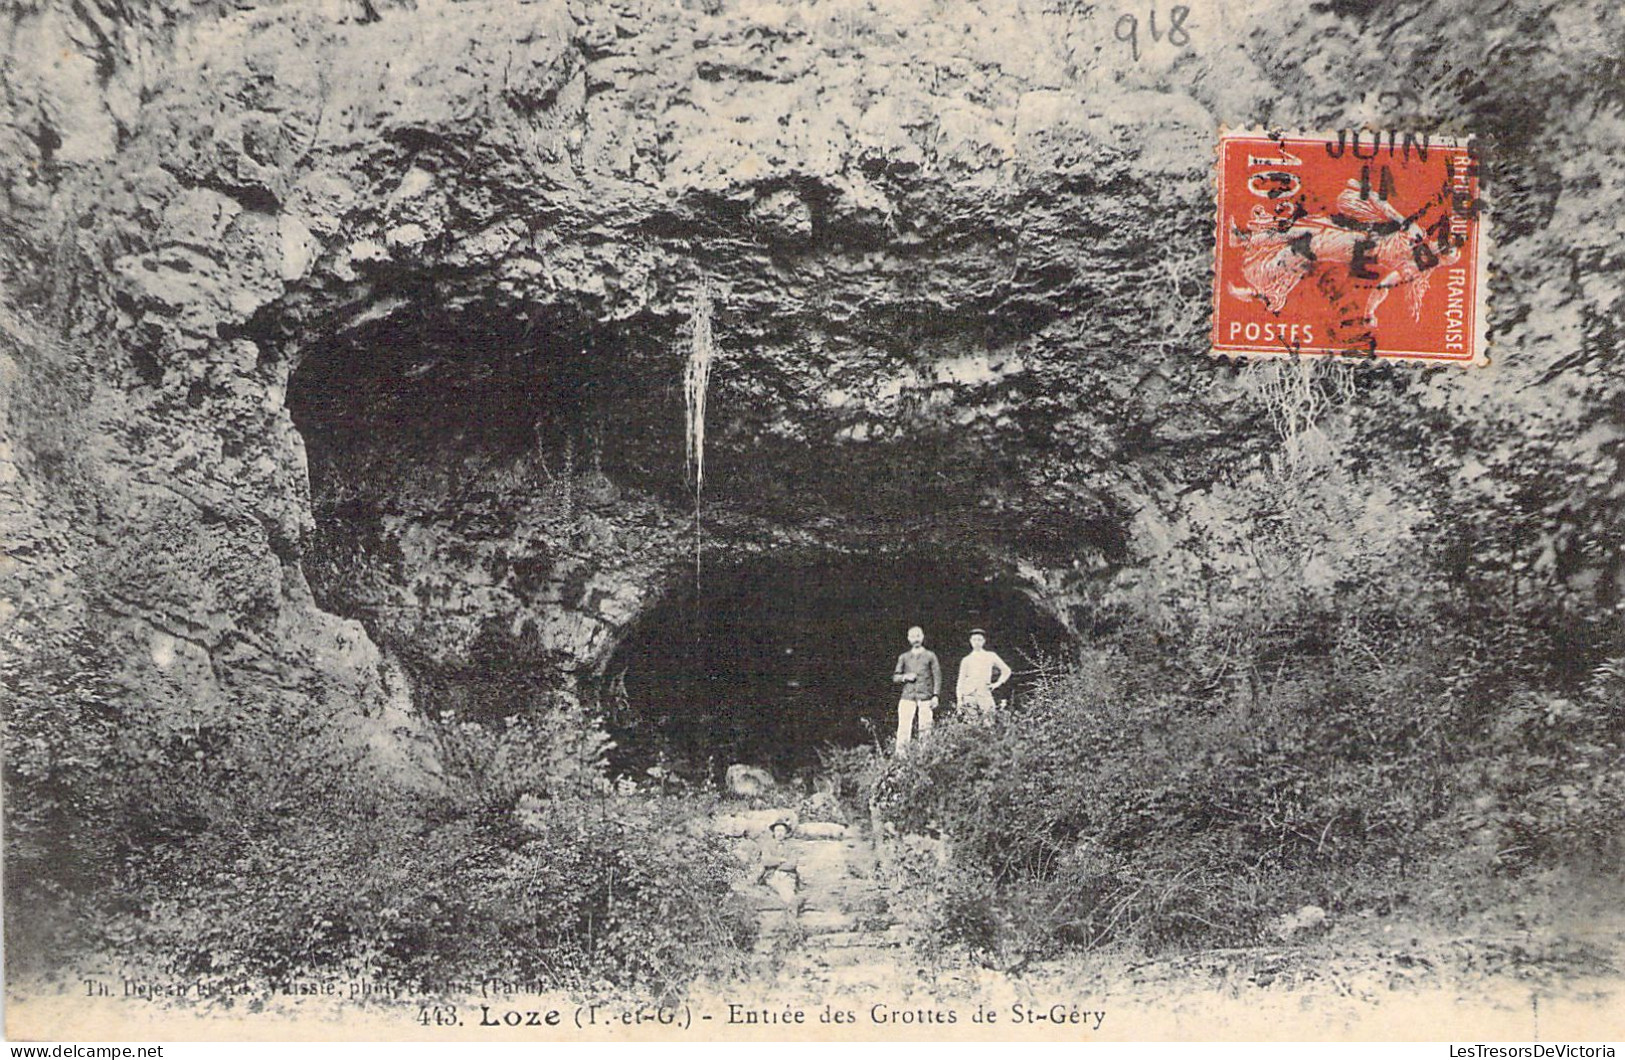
{"points": [[779, 520]]}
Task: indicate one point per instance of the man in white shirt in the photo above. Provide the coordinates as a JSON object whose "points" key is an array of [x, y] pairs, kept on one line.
{"points": [[977, 681]]}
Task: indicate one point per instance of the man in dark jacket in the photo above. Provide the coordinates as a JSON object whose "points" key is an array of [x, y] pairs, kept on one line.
{"points": [[920, 674]]}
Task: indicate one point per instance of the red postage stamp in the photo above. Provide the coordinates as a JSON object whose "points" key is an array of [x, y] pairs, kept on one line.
{"points": [[1350, 244]]}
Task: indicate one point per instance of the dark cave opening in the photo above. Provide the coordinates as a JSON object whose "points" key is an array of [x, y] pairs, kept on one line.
{"points": [[398, 395], [771, 659], [454, 454], [456, 466], [456, 461]]}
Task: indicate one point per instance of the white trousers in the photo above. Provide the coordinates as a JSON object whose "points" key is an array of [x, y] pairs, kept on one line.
{"points": [[907, 711], [976, 708]]}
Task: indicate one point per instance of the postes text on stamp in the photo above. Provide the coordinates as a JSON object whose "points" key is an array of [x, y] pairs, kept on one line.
{"points": [[1349, 244]]}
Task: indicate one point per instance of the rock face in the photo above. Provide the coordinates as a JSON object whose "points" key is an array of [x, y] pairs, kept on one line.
{"points": [[341, 331], [745, 781]]}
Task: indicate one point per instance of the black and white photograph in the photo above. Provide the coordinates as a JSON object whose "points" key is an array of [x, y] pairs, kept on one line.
{"points": [[813, 520]]}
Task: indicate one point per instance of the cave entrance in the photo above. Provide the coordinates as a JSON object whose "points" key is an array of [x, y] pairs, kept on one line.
{"points": [[772, 659], [468, 466]]}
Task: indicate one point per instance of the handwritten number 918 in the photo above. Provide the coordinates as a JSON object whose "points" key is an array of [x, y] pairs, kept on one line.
{"points": [[1128, 29]]}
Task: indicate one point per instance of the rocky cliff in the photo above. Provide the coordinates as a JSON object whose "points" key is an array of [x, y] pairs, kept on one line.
{"points": [[341, 330]]}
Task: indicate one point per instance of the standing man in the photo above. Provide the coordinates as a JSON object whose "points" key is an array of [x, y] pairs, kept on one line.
{"points": [[920, 674], [976, 679]]}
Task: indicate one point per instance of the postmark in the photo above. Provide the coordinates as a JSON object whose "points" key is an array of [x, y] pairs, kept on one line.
{"points": [[1350, 244]]}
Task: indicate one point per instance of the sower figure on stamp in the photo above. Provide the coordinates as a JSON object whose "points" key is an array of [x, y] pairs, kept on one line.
{"points": [[920, 674], [977, 683]]}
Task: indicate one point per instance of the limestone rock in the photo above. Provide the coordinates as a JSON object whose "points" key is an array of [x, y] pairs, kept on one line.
{"points": [[1308, 920], [823, 807], [748, 781], [330, 315]]}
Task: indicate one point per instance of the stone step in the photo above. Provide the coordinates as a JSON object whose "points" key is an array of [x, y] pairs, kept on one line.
{"points": [[845, 940], [818, 871], [849, 896], [853, 956], [821, 831], [749, 822], [824, 922], [847, 887], [847, 848], [777, 923], [829, 910], [844, 884], [864, 909]]}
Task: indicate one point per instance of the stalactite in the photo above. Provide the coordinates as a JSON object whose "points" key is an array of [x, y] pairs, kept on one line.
{"points": [[696, 381]]}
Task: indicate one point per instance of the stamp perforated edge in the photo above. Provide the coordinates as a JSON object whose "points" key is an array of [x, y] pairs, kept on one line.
{"points": [[1484, 248]]}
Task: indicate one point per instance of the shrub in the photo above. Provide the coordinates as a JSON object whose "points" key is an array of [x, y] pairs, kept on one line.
{"points": [[850, 775], [58, 719], [1556, 777], [250, 852], [553, 750], [619, 896], [1136, 799]]}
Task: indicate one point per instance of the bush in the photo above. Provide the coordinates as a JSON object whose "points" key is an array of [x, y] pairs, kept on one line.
{"points": [[1554, 777], [1137, 800], [850, 775], [105, 791], [250, 852], [619, 896], [555, 750], [58, 724]]}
